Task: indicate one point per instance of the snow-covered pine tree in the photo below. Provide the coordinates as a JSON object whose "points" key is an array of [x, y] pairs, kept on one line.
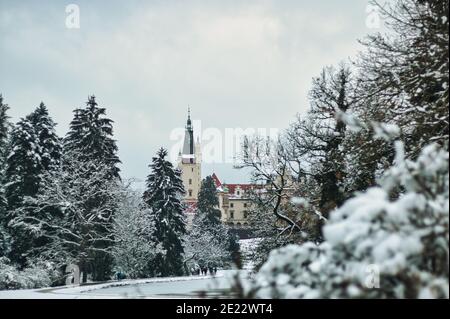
{"points": [[49, 142], [208, 216], [209, 242], [208, 202], [90, 139], [4, 132], [35, 149], [91, 136], [163, 195], [23, 164], [23, 177]]}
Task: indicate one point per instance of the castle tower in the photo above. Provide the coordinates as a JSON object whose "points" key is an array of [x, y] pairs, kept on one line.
{"points": [[189, 162]]}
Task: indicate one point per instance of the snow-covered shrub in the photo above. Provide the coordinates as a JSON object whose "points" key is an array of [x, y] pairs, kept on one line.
{"points": [[134, 247], [39, 274], [377, 245]]}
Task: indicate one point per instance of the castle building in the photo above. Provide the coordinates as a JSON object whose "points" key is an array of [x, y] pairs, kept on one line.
{"points": [[234, 203]]}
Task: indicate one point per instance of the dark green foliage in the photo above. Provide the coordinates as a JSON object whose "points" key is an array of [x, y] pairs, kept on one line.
{"points": [[90, 136], [164, 189], [208, 202]]}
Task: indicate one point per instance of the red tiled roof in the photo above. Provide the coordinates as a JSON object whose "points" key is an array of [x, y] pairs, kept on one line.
{"points": [[216, 180], [232, 187]]}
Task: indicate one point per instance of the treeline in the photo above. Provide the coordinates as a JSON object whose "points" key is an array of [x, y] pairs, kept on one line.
{"points": [[362, 177], [63, 202]]}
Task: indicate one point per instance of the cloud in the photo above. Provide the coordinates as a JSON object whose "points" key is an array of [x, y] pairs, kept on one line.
{"points": [[238, 64]]}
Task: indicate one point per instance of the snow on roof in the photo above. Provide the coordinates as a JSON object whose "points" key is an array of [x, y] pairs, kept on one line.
{"points": [[231, 187]]}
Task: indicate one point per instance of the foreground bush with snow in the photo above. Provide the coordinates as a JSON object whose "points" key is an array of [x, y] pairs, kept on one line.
{"points": [[40, 274], [375, 246]]}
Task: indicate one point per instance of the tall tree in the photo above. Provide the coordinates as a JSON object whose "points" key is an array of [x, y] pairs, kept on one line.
{"points": [[90, 140], [208, 202], [23, 169], [50, 146], [4, 129], [91, 136], [35, 149], [4, 133], [163, 196], [331, 95], [209, 242]]}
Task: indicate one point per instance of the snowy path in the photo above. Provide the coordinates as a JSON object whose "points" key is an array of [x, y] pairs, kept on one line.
{"points": [[174, 287]]}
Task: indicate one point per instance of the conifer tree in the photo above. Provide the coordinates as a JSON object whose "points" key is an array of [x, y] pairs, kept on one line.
{"points": [[163, 196], [50, 147], [90, 141], [208, 202], [4, 131], [23, 164], [35, 149], [91, 136], [207, 222], [22, 175]]}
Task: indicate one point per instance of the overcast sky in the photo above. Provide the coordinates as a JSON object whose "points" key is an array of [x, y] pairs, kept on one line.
{"points": [[236, 63]]}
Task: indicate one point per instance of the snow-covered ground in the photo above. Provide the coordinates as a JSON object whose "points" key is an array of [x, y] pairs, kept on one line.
{"points": [[179, 287]]}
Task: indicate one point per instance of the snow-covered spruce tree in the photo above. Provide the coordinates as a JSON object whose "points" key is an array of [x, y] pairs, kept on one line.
{"points": [[50, 147], [35, 148], [163, 196], [5, 127], [23, 178], [209, 215], [90, 138], [375, 246], [4, 134], [208, 202], [73, 214], [134, 247]]}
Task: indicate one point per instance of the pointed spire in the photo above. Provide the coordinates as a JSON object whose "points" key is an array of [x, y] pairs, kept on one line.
{"points": [[188, 146], [189, 122]]}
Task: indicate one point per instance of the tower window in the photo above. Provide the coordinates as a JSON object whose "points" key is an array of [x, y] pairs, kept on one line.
{"points": [[231, 214], [245, 214], [190, 193], [190, 181], [245, 204], [231, 205], [192, 169]]}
